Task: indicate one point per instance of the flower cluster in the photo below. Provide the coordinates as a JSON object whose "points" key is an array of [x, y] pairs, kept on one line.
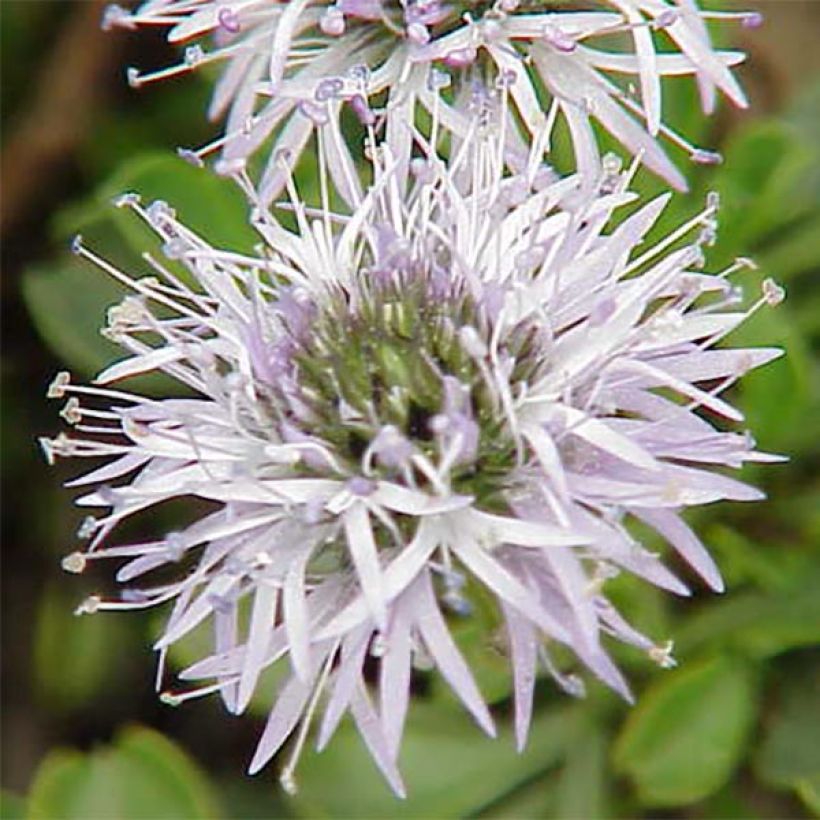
{"points": [[293, 66], [465, 387]]}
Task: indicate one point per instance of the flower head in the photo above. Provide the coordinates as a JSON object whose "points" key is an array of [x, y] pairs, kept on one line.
{"points": [[463, 392], [292, 66]]}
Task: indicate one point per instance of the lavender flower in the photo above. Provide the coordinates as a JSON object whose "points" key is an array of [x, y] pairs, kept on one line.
{"points": [[468, 390], [293, 66]]}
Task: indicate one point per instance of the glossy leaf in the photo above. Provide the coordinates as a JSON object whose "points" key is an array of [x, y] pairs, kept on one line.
{"points": [[68, 297], [687, 734], [143, 775]]}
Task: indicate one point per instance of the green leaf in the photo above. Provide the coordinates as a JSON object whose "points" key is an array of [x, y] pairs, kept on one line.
{"points": [[68, 297], [67, 302], [450, 769], [143, 776], [762, 183], [687, 734], [759, 560], [582, 789], [775, 398], [790, 754], [757, 625], [205, 203], [533, 799], [798, 252]]}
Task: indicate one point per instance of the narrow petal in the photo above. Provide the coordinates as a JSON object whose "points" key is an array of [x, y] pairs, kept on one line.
{"points": [[370, 729], [394, 677], [348, 675], [297, 626], [433, 629], [263, 620], [287, 710], [365, 557], [684, 540], [507, 587], [523, 653]]}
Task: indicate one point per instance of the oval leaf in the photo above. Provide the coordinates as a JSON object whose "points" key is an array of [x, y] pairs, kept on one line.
{"points": [[688, 732], [143, 775]]}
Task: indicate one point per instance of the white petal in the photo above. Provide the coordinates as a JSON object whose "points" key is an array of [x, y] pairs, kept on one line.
{"points": [[684, 540], [414, 502], [505, 530], [395, 676], [348, 675], [200, 609], [288, 708], [507, 587], [596, 432], [297, 625], [523, 654], [371, 731], [442, 648], [263, 621], [365, 556]]}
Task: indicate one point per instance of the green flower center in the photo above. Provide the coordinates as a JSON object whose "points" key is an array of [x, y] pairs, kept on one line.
{"points": [[398, 355]]}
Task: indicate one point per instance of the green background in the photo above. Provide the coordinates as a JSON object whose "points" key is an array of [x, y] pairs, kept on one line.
{"points": [[732, 732]]}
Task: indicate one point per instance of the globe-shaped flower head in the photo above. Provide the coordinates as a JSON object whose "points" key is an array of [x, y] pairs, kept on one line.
{"points": [[447, 400], [291, 66]]}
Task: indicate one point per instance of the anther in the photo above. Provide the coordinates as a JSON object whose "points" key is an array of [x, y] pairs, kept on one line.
{"points": [[71, 411], [418, 33], [191, 157], [752, 19], [159, 211], [47, 446], [193, 55], [75, 563], [87, 528], [360, 486], [229, 20], [438, 80], [56, 390], [126, 200], [89, 606], [773, 293], [665, 19], [115, 15], [328, 89], [701, 156], [662, 655], [332, 22], [288, 782]]}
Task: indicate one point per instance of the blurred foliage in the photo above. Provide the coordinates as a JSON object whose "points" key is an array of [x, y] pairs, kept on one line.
{"points": [[143, 775], [731, 733]]}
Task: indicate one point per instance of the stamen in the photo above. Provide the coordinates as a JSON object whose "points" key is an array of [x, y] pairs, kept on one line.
{"points": [[74, 563]]}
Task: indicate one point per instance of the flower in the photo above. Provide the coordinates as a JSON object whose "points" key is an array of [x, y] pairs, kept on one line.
{"points": [[293, 66], [463, 392]]}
